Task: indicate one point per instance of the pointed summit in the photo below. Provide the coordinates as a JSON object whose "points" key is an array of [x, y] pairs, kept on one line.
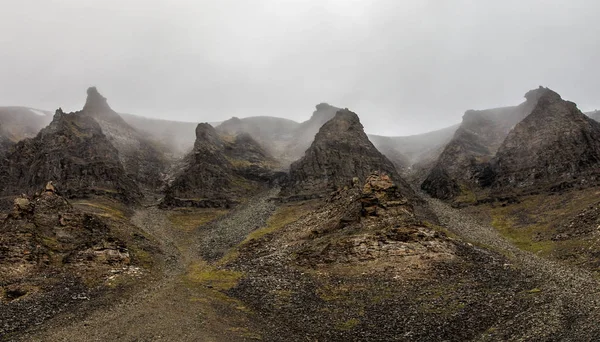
{"points": [[555, 146], [340, 155], [141, 158], [461, 167], [74, 153], [221, 171], [95, 102]]}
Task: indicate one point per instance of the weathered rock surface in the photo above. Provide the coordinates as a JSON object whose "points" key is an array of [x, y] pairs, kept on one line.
{"points": [[220, 171], [365, 266], [141, 158], [340, 154], [474, 144], [74, 153], [553, 148], [53, 258]]}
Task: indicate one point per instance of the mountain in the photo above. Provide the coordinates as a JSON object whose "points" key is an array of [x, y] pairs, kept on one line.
{"points": [[23, 122], [177, 136], [221, 171], [555, 147], [361, 264], [271, 132], [416, 148], [53, 256], [594, 115], [143, 159], [391, 149], [474, 143], [74, 153], [340, 155]]}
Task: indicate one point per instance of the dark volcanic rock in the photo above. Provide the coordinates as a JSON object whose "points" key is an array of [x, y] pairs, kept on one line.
{"points": [[74, 153], [340, 155], [474, 144], [142, 159], [220, 172], [555, 147]]}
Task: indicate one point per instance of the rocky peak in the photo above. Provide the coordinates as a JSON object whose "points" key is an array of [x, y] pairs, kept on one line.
{"points": [[207, 136], [72, 151], [340, 152], [464, 160], [141, 158], [555, 146], [95, 102], [221, 171]]}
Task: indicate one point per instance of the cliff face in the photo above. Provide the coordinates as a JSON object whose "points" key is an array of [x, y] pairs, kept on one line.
{"points": [[5, 142], [341, 154], [474, 144], [555, 146], [220, 171], [142, 159], [74, 153]]}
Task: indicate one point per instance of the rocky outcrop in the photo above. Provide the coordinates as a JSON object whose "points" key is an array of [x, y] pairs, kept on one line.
{"points": [[74, 153], [341, 154], [141, 158], [220, 171], [555, 147], [46, 231], [474, 144], [53, 257]]}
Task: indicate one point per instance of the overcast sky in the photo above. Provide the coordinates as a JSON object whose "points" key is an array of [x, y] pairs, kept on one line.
{"points": [[404, 66]]}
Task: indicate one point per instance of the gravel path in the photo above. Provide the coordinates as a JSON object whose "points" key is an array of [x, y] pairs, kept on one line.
{"points": [[568, 286]]}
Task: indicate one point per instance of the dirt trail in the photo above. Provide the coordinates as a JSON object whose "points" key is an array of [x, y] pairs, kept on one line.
{"points": [[567, 285], [175, 308]]}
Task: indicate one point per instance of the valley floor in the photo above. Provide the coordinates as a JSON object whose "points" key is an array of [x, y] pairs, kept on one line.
{"points": [[190, 302]]}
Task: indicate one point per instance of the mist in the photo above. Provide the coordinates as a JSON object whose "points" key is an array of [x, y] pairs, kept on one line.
{"points": [[404, 66]]}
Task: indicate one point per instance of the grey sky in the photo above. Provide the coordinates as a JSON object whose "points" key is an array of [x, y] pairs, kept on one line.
{"points": [[404, 66]]}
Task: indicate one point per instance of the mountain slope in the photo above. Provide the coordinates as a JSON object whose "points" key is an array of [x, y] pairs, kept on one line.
{"points": [[177, 136], [555, 146], [271, 132], [74, 153], [220, 171], [340, 155], [22, 122], [474, 143], [142, 159]]}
